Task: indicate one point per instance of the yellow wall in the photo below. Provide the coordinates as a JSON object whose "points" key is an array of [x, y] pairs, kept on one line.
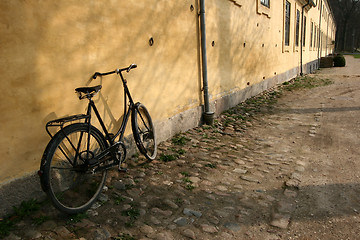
{"points": [[247, 47], [48, 48], [248, 42]]}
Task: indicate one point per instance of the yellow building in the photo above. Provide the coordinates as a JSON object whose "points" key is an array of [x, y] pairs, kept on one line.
{"points": [[48, 48]]}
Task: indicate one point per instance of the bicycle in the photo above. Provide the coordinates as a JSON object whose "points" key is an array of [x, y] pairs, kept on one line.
{"points": [[75, 162]]}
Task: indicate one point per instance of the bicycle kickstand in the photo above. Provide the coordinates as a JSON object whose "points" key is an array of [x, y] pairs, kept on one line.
{"points": [[122, 169]]}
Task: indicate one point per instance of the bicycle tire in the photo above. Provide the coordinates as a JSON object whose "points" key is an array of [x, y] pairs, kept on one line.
{"points": [[73, 188], [143, 131]]}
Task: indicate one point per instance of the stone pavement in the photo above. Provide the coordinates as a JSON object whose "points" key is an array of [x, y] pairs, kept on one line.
{"points": [[208, 183], [238, 179]]}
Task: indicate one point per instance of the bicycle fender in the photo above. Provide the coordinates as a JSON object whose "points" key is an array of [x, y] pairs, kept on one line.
{"points": [[42, 174]]}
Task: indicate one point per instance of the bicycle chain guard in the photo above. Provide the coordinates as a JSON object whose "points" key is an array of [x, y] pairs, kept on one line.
{"points": [[114, 155]]}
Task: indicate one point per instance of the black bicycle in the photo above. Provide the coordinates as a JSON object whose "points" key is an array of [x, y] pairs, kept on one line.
{"points": [[75, 162]]}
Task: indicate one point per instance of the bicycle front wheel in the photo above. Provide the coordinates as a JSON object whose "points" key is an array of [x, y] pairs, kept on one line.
{"points": [[143, 131], [69, 182]]}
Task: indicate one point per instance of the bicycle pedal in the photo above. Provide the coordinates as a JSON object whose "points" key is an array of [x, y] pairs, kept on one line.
{"points": [[124, 170]]}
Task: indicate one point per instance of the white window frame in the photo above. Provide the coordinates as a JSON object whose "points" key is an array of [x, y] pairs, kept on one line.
{"points": [[304, 31], [287, 26], [297, 27], [311, 34]]}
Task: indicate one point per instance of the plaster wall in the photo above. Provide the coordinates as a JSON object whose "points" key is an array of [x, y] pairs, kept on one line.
{"points": [[245, 43], [49, 48]]}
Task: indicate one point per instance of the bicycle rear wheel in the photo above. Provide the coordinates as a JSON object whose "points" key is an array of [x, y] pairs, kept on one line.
{"points": [[143, 131], [69, 182]]}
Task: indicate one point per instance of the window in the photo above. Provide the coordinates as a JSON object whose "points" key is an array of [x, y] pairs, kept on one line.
{"points": [[287, 23], [315, 37], [265, 3], [318, 37], [263, 7], [304, 33], [297, 28], [311, 34]]}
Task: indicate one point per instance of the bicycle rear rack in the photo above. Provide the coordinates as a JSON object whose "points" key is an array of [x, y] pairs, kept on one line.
{"points": [[60, 122]]}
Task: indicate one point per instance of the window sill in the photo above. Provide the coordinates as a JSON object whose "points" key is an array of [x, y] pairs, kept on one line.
{"points": [[261, 9], [237, 2], [286, 48]]}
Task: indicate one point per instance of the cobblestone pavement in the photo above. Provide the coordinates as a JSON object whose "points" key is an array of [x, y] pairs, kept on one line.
{"points": [[209, 182], [238, 179]]}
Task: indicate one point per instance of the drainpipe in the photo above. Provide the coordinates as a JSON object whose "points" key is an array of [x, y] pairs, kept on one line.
{"points": [[302, 37], [207, 115]]}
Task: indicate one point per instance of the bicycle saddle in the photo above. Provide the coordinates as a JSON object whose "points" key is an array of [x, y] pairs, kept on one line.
{"points": [[88, 91]]}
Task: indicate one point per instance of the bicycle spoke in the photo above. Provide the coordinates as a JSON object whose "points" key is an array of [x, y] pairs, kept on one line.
{"points": [[73, 185], [143, 131]]}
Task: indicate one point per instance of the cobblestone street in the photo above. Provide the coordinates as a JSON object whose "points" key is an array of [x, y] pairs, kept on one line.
{"points": [[274, 167]]}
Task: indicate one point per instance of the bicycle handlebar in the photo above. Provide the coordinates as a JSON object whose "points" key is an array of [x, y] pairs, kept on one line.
{"points": [[117, 71], [130, 67]]}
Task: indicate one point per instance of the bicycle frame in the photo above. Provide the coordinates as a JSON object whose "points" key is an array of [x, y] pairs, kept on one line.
{"points": [[110, 138], [120, 133], [127, 112]]}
